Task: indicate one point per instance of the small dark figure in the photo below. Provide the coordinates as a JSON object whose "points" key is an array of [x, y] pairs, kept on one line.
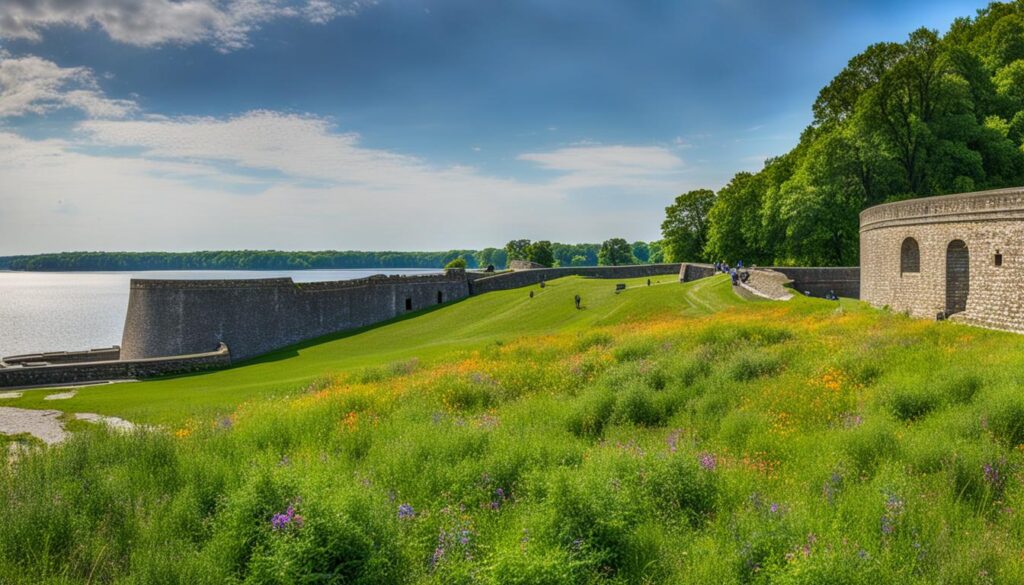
{"points": [[490, 268], [542, 284], [831, 296], [578, 302], [735, 276], [531, 294], [648, 282], [744, 276]]}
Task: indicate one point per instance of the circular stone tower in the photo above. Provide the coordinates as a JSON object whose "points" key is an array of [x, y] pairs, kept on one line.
{"points": [[958, 256]]}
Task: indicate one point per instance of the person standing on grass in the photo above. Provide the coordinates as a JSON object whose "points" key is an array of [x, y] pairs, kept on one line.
{"points": [[578, 302]]}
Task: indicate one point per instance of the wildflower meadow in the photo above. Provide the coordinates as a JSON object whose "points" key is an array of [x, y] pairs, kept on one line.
{"points": [[688, 437]]}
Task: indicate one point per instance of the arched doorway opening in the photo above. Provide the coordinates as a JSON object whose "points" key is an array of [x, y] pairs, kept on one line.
{"points": [[958, 276]]}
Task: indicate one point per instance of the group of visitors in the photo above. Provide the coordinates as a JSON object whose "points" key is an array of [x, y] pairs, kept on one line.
{"points": [[736, 273]]}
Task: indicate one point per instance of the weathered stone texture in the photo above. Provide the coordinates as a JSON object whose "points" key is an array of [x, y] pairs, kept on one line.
{"points": [[989, 223], [843, 281], [520, 278], [81, 372], [168, 317]]}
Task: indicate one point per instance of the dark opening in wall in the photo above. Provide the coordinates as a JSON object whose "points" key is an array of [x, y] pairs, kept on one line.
{"points": [[408, 304], [999, 258], [910, 256], [440, 297]]}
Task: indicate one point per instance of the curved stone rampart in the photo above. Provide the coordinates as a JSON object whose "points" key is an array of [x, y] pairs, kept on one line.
{"points": [[173, 317], [520, 278], [953, 255]]}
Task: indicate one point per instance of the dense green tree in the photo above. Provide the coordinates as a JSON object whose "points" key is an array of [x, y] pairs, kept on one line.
{"points": [[931, 115], [642, 252], [517, 249], [456, 263], [657, 252], [540, 253], [578, 261], [685, 229], [615, 252]]}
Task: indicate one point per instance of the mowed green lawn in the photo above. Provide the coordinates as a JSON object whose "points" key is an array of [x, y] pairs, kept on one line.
{"points": [[424, 335]]}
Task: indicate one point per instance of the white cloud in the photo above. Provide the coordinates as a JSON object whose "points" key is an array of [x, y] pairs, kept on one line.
{"points": [[588, 165], [273, 180], [226, 24], [30, 85]]}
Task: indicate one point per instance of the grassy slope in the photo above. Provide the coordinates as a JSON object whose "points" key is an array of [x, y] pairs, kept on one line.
{"points": [[465, 325], [671, 434]]}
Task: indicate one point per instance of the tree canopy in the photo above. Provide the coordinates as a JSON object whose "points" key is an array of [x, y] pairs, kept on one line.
{"points": [[615, 252], [929, 116]]}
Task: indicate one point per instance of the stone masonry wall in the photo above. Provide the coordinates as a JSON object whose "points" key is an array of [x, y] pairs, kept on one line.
{"points": [[167, 317], [68, 373], [990, 223], [519, 278], [844, 281]]}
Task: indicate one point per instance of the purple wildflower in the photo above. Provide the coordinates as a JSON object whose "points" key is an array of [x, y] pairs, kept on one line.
{"points": [[405, 511], [994, 474], [287, 519], [438, 555], [774, 508], [464, 537], [888, 525], [707, 461], [673, 440]]}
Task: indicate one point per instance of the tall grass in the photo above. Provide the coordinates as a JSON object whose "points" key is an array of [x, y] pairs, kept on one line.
{"points": [[774, 443]]}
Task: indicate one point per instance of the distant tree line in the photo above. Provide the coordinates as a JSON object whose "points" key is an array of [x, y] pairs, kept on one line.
{"points": [[234, 260], [544, 252], [612, 252], [929, 116]]}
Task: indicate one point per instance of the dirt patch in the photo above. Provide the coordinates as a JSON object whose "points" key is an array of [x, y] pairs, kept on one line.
{"points": [[60, 396], [47, 425], [42, 424], [4, 395]]}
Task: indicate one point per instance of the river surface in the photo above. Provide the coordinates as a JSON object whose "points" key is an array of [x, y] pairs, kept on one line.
{"points": [[54, 311]]}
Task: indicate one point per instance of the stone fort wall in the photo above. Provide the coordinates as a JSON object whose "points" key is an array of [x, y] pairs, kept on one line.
{"points": [[174, 317], [985, 269], [516, 279]]}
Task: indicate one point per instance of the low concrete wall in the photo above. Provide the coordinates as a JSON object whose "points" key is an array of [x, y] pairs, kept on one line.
{"points": [[104, 354], [68, 373], [844, 281], [521, 278]]}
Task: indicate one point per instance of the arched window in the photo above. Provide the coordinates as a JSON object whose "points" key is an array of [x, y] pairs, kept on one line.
{"points": [[910, 256]]}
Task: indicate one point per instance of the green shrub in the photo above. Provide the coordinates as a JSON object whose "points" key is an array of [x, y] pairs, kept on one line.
{"points": [[961, 389], [591, 412], [749, 365], [638, 405], [459, 262], [909, 404], [633, 350], [867, 445], [1004, 415]]}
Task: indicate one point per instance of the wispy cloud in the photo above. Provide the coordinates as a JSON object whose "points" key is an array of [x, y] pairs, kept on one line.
{"points": [[588, 165], [226, 24], [30, 85]]}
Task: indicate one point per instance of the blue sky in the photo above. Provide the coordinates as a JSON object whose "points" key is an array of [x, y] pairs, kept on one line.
{"points": [[399, 124]]}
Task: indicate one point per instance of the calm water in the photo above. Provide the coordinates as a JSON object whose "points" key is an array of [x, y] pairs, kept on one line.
{"points": [[51, 311]]}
